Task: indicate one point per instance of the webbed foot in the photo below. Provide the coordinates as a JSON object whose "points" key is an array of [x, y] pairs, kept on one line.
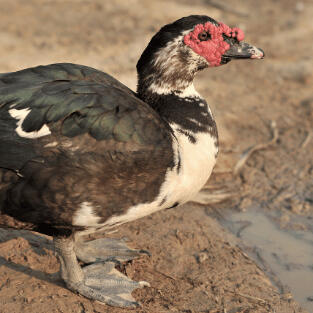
{"points": [[106, 249], [99, 281], [102, 282]]}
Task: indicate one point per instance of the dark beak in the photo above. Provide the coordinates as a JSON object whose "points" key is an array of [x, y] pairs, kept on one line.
{"points": [[242, 50]]}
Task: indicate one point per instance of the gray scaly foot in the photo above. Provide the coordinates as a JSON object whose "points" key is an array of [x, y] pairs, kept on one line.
{"points": [[98, 281], [105, 249], [104, 283]]}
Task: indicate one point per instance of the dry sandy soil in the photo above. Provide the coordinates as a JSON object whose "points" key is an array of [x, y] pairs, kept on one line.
{"points": [[196, 265]]}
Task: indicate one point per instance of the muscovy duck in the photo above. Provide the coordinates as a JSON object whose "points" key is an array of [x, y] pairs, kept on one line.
{"points": [[80, 152]]}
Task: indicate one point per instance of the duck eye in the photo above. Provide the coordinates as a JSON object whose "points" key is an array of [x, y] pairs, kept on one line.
{"points": [[204, 36]]}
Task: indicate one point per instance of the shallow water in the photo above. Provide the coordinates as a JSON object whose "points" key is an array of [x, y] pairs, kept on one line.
{"points": [[288, 253]]}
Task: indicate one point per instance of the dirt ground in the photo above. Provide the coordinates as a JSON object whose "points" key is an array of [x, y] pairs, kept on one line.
{"points": [[196, 265]]}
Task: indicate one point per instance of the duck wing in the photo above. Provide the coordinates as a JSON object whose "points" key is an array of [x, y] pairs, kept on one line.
{"points": [[70, 107]]}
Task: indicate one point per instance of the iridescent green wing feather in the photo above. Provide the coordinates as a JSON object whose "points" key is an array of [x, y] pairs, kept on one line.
{"points": [[72, 100]]}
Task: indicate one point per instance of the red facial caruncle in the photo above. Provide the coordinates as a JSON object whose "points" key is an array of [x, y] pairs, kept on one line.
{"points": [[213, 48]]}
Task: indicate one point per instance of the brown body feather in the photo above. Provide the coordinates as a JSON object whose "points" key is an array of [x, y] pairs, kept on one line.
{"points": [[105, 147]]}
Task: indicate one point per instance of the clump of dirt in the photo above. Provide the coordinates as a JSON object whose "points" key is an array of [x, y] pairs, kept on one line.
{"points": [[196, 265]]}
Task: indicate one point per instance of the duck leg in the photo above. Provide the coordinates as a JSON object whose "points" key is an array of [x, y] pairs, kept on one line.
{"points": [[99, 281], [105, 249]]}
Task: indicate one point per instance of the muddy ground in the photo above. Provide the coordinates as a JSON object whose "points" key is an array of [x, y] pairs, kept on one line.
{"points": [[196, 264]]}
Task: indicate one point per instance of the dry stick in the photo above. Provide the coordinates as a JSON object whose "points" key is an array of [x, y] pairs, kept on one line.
{"points": [[212, 194], [307, 139], [205, 198], [161, 273], [247, 154], [222, 171], [217, 186], [247, 296], [212, 187], [251, 297]]}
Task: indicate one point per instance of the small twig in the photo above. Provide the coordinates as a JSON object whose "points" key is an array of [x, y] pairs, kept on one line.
{"points": [[207, 198], [212, 187], [248, 297], [247, 154], [112, 231], [222, 171], [163, 274], [251, 297], [178, 236], [307, 139]]}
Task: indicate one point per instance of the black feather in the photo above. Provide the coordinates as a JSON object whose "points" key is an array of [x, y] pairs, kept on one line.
{"points": [[72, 100]]}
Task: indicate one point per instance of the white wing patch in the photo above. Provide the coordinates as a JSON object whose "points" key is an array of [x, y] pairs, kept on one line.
{"points": [[85, 216], [20, 115]]}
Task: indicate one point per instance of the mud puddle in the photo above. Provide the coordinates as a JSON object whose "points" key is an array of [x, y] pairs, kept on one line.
{"points": [[286, 255]]}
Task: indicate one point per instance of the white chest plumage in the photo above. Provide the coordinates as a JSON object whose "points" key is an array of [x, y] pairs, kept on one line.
{"points": [[196, 164]]}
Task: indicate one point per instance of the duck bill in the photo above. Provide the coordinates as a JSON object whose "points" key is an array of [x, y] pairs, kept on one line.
{"points": [[243, 50]]}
